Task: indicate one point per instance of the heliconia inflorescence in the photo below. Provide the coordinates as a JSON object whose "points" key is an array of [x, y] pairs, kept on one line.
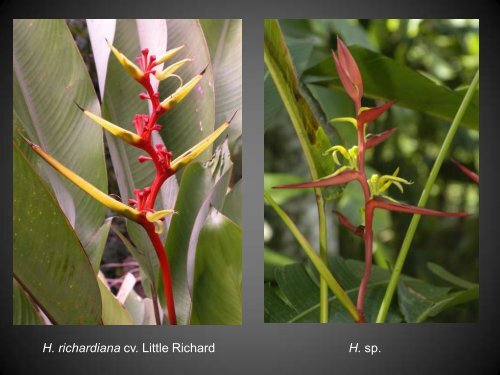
{"points": [[141, 209], [353, 169]]}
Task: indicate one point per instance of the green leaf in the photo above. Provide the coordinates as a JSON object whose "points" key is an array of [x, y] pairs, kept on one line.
{"points": [[192, 205], [24, 313], [386, 79], [300, 51], [309, 131], [95, 248], [49, 261], [294, 297], [224, 39], [273, 259], [449, 277], [232, 203], [282, 195], [217, 273], [194, 118], [113, 312], [49, 76]]}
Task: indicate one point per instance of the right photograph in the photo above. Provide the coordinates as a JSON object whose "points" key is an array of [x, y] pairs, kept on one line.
{"points": [[371, 183]]}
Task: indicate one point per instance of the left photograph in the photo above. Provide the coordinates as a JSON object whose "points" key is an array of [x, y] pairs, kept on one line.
{"points": [[127, 172]]}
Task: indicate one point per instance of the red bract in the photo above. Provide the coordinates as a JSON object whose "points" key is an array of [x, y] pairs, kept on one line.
{"points": [[339, 179], [473, 176], [372, 114], [373, 140], [348, 73]]}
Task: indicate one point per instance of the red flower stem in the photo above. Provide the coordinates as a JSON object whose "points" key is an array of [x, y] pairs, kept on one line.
{"points": [[165, 269]]}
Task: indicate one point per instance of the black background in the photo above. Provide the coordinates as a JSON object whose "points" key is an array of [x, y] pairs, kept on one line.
{"points": [[255, 347]]}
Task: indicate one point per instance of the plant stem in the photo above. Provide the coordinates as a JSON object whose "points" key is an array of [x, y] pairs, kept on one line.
{"points": [[405, 247], [316, 260], [165, 270]]}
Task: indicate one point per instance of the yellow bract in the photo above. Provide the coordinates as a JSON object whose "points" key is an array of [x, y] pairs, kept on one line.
{"points": [[123, 134], [180, 93], [129, 66], [196, 150], [86, 186], [169, 54], [170, 70]]}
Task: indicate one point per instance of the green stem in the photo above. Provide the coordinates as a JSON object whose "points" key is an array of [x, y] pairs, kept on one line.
{"points": [[316, 260], [405, 247]]}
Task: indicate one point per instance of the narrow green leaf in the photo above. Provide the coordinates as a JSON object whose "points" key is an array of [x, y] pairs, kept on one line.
{"points": [[439, 271]]}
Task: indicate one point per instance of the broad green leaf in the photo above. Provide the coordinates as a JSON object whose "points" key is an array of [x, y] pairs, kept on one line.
{"points": [[24, 313], [386, 79], [211, 182], [113, 312], [282, 195], [233, 203], [48, 260], [194, 118], [309, 131], [49, 76], [224, 39], [217, 273], [439, 271]]}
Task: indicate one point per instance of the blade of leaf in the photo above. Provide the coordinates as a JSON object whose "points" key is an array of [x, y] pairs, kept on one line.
{"points": [[192, 206], [224, 39], [101, 30], [232, 204], [59, 278], [309, 131], [45, 48], [217, 274], [384, 78], [439, 271], [113, 312], [24, 313]]}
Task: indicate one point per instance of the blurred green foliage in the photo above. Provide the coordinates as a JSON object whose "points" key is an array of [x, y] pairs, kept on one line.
{"points": [[445, 51]]}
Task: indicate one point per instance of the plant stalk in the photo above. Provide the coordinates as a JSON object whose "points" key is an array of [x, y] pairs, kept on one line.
{"points": [[405, 247]]}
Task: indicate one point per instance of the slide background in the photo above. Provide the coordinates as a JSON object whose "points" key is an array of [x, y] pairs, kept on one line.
{"points": [[255, 347]]}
